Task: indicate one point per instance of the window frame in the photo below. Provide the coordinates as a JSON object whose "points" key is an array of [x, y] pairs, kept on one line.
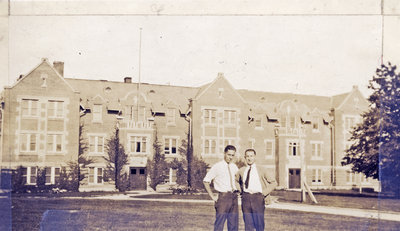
{"points": [[95, 176], [316, 148], [272, 142], [134, 138], [29, 107], [54, 142], [28, 142], [97, 113], [95, 145], [58, 105], [170, 142]]}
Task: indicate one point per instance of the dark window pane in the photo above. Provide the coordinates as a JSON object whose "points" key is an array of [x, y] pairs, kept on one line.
{"points": [[142, 171]]}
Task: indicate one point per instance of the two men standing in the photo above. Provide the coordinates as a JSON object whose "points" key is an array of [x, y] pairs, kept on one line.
{"points": [[253, 182]]}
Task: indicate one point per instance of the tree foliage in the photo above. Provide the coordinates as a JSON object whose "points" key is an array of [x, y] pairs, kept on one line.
{"points": [[157, 167], [116, 160], [197, 172], [83, 159], [376, 141]]}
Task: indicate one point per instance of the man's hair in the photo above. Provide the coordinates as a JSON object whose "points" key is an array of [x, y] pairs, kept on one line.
{"points": [[229, 147], [250, 150]]}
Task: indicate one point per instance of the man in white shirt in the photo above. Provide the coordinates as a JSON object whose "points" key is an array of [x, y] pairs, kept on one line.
{"points": [[256, 183], [226, 202]]}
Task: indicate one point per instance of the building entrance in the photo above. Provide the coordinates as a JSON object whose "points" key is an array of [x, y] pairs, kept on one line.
{"points": [[294, 178], [137, 178]]}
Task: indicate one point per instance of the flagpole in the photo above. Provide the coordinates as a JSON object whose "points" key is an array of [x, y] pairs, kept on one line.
{"points": [[138, 85]]}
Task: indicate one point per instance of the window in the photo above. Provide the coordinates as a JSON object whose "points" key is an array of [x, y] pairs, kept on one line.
{"points": [[316, 176], [138, 144], [52, 175], [251, 143], [95, 175], [350, 177], [315, 123], [210, 146], [142, 113], [349, 122], [29, 175], [55, 109], [171, 116], [294, 149], [229, 117], [133, 112], [229, 142], [29, 107], [97, 112], [258, 121], [292, 122], [269, 148], [129, 111], [283, 121], [28, 142], [96, 144], [210, 116], [54, 143], [170, 146], [316, 150]]}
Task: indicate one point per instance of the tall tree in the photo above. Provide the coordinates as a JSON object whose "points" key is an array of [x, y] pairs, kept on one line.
{"points": [[83, 159], [116, 160], [197, 169], [157, 167], [376, 141]]}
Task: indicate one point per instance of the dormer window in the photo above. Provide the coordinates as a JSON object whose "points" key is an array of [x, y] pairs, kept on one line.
{"points": [[171, 116], [315, 123], [97, 112]]}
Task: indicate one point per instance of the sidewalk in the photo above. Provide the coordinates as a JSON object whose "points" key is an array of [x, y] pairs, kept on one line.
{"points": [[362, 213]]}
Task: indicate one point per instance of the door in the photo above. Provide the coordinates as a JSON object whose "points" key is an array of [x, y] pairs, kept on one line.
{"points": [[294, 178], [137, 178]]}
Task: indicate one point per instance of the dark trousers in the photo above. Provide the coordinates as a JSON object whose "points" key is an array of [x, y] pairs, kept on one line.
{"points": [[226, 208], [253, 207]]}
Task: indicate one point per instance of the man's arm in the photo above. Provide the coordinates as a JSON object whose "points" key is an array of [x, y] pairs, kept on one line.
{"points": [[271, 181], [238, 182], [209, 191]]}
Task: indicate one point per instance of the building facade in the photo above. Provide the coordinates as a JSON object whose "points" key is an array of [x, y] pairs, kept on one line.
{"points": [[294, 135]]}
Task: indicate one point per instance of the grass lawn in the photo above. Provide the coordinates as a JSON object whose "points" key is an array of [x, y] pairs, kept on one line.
{"points": [[343, 199], [99, 214]]}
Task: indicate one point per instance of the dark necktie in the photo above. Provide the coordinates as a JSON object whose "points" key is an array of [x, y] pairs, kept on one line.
{"points": [[246, 183]]}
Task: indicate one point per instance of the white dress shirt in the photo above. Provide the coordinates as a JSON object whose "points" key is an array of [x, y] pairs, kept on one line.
{"points": [[254, 182], [223, 181]]}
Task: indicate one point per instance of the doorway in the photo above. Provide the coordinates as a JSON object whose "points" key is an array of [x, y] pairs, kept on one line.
{"points": [[137, 178], [294, 178]]}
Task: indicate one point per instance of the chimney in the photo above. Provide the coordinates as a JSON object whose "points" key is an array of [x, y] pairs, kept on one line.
{"points": [[128, 80], [59, 66]]}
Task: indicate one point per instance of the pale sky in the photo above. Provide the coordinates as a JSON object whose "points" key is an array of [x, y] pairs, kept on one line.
{"points": [[319, 55]]}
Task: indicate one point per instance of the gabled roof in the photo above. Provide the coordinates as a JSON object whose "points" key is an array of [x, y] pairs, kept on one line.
{"points": [[44, 61], [220, 76], [156, 94], [311, 101], [337, 100]]}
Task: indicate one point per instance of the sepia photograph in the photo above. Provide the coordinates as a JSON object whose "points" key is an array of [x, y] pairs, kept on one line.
{"points": [[199, 115]]}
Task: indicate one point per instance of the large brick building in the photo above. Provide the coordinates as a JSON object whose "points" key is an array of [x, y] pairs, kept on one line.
{"points": [[293, 134]]}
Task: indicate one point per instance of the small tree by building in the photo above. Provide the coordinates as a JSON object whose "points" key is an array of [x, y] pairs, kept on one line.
{"points": [[116, 160], [83, 159], [157, 166], [197, 172], [376, 141]]}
